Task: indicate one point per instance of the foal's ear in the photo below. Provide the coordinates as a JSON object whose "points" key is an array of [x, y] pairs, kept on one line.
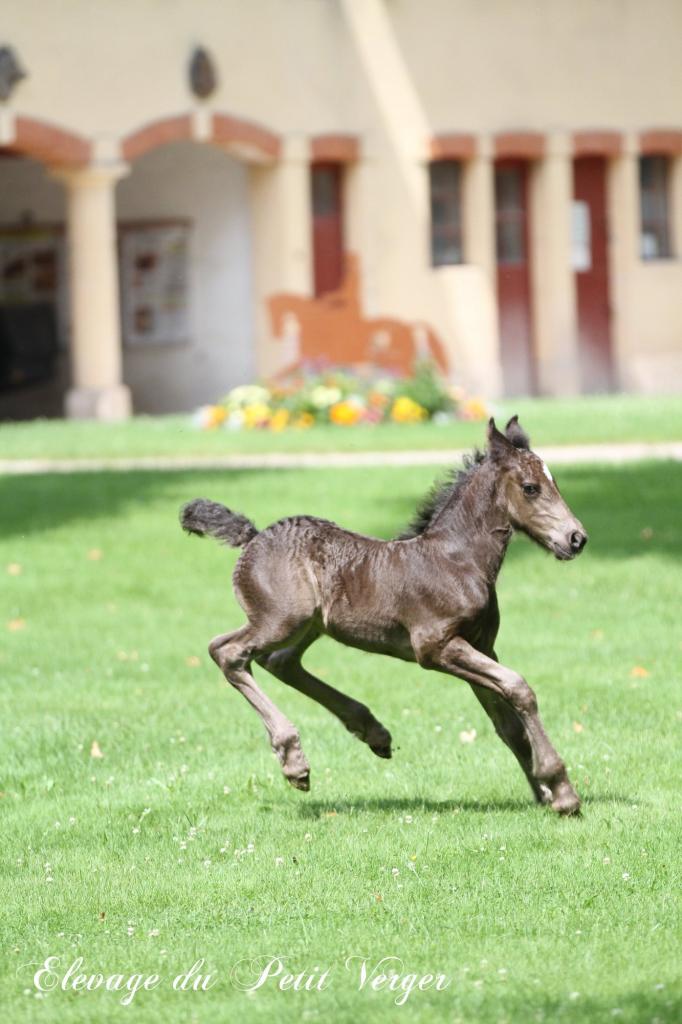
{"points": [[516, 434], [498, 445]]}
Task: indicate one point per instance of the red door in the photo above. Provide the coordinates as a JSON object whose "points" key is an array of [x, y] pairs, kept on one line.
{"points": [[590, 262], [327, 227], [513, 276]]}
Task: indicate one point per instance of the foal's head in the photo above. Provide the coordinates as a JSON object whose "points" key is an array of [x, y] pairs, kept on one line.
{"points": [[531, 496]]}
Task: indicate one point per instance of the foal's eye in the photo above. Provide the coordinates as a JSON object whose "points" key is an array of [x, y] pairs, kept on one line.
{"points": [[531, 489]]}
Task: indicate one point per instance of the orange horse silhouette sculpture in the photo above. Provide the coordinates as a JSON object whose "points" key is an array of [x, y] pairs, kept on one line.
{"points": [[332, 329]]}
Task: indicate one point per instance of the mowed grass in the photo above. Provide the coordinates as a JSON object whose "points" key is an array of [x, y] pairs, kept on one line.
{"points": [[556, 421], [183, 842]]}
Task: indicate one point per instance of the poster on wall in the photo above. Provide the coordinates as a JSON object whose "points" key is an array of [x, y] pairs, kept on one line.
{"points": [[155, 283], [33, 270]]}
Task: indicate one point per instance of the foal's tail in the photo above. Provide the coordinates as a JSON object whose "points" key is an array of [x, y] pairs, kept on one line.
{"points": [[209, 517]]}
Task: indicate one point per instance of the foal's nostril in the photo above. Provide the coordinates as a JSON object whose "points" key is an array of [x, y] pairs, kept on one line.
{"points": [[578, 541]]}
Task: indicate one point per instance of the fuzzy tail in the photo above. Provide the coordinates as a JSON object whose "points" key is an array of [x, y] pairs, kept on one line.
{"points": [[208, 517]]}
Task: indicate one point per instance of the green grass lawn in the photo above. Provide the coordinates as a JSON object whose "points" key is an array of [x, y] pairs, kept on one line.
{"points": [[183, 842], [555, 421]]}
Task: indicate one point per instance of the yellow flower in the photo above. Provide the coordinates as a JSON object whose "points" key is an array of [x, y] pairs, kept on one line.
{"points": [[405, 410], [279, 419], [256, 415], [304, 420], [344, 414]]}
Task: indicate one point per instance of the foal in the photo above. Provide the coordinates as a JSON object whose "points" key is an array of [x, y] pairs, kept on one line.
{"points": [[427, 596]]}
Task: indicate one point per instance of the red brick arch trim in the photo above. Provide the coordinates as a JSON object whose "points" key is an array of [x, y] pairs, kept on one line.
{"points": [[519, 145], [233, 131], [341, 149], [668, 142], [225, 131], [48, 143], [597, 143], [453, 147], [158, 133]]}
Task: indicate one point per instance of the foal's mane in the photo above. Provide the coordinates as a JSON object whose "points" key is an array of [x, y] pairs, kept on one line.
{"points": [[448, 489]]}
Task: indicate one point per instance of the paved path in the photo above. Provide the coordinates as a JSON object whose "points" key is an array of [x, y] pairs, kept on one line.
{"points": [[582, 453]]}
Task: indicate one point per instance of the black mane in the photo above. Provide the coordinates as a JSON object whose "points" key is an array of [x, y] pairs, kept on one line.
{"points": [[441, 494]]}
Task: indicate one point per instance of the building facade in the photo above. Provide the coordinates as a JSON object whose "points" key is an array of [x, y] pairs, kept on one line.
{"points": [[197, 193]]}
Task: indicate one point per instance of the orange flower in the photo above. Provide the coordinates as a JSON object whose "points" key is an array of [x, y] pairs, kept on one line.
{"points": [[344, 414], [304, 420], [215, 415]]}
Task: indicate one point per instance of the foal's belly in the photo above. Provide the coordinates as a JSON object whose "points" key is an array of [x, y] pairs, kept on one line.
{"points": [[385, 638]]}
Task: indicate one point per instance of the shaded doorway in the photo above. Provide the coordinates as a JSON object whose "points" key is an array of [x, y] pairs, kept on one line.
{"points": [[512, 233]]}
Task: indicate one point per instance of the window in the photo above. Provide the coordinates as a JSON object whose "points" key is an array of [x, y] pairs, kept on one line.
{"points": [[510, 214], [446, 212], [654, 202]]}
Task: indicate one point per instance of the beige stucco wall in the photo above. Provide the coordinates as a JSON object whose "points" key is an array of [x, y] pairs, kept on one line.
{"points": [[394, 73]]}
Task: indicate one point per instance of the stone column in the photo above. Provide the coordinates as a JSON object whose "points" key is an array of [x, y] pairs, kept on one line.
{"points": [[624, 228], [477, 283], [281, 209], [554, 293], [97, 390]]}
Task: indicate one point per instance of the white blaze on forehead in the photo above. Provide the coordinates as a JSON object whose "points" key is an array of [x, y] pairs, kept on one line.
{"points": [[545, 470]]}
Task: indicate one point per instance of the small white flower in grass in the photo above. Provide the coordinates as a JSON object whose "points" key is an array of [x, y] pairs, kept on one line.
{"points": [[438, 728], [135, 830], [408, 819], [226, 790], [502, 971], [145, 812], [163, 952], [49, 878], [183, 845], [250, 847], [207, 862], [467, 735], [573, 996], [57, 824], [308, 836], [659, 987], [626, 876], [606, 860], [279, 861], [616, 1011], [153, 933], [131, 930], [478, 983], [395, 872], [72, 820]]}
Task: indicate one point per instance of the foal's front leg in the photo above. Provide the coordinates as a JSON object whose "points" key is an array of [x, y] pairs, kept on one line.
{"points": [[233, 653], [459, 658]]}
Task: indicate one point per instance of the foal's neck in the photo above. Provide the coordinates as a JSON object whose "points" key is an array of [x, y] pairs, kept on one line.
{"points": [[476, 522]]}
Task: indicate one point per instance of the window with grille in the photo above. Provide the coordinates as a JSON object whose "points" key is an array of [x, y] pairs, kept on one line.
{"points": [[654, 201], [446, 212]]}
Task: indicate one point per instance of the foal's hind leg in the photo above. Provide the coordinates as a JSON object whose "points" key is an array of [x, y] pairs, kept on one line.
{"points": [[233, 653], [286, 665]]}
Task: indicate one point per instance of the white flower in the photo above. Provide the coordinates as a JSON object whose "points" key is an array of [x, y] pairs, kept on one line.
{"points": [[207, 862], [625, 876], [279, 861], [395, 872], [153, 933]]}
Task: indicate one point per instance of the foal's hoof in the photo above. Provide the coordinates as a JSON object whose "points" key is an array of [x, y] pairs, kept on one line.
{"points": [[566, 801], [382, 751], [301, 782]]}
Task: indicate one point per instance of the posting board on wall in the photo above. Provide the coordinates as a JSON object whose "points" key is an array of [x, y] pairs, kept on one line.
{"points": [[155, 296]]}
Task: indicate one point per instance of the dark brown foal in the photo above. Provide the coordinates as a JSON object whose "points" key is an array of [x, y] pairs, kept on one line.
{"points": [[427, 596]]}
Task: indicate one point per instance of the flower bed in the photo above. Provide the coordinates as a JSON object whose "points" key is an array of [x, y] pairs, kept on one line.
{"points": [[341, 398]]}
